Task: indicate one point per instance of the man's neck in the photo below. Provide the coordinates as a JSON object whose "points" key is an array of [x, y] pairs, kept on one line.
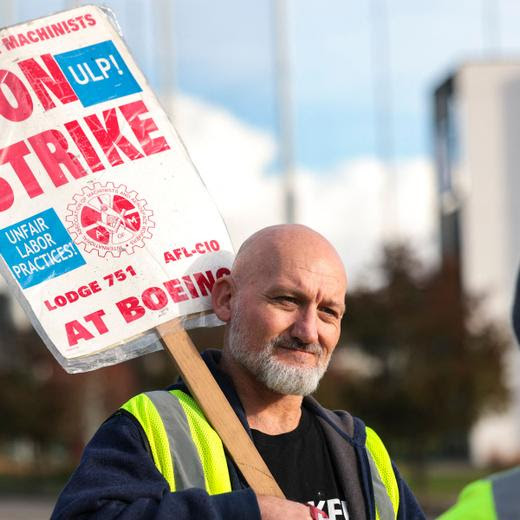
{"points": [[266, 411]]}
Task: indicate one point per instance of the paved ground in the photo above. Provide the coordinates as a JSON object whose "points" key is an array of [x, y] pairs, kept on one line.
{"points": [[21, 508]]}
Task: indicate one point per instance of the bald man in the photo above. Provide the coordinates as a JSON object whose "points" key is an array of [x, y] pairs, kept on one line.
{"points": [[159, 458]]}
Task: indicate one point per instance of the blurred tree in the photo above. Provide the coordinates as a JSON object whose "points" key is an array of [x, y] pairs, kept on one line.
{"points": [[48, 409], [31, 401], [432, 368]]}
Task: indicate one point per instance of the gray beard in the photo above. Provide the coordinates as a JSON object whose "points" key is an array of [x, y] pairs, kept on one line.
{"points": [[279, 377]]}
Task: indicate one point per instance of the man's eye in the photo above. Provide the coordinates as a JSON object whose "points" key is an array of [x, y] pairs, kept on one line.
{"points": [[286, 299], [330, 312]]}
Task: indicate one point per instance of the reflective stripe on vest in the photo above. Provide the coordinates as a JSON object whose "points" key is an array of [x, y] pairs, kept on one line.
{"points": [[384, 483], [189, 453], [185, 448], [506, 494]]}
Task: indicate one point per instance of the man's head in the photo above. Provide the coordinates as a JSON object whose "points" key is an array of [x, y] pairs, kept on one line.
{"points": [[283, 304]]}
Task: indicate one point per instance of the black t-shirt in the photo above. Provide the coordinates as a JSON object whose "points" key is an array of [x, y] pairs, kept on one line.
{"points": [[301, 463]]}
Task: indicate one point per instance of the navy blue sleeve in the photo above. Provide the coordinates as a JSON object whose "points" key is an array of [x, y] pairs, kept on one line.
{"points": [[118, 478], [409, 509]]}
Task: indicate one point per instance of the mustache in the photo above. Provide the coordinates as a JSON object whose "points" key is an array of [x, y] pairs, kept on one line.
{"points": [[294, 344]]}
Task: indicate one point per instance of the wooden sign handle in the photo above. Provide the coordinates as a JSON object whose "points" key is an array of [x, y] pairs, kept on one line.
{"points": [[217, 409]]}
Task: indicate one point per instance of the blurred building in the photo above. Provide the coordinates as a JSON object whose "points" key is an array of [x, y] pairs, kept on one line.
{"points": [[477, 139]]}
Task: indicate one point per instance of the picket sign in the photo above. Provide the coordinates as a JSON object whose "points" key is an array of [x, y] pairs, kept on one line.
{"points": [[107, 232], [218, 411]]}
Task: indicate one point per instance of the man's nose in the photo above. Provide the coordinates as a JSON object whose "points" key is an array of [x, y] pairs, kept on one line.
{"points": [[305, 327]]}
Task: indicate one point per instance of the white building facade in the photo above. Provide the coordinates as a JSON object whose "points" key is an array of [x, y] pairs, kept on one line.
{"points": [[477, 124]]}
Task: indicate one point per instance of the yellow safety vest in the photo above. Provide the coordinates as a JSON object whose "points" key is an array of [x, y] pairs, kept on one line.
{"points": [[492, 498], [189, 453]]}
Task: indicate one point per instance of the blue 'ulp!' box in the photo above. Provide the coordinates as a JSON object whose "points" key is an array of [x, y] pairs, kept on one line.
{"points": [[97, 73]]}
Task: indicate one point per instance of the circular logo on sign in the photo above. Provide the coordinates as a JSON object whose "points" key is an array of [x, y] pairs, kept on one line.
{"points": [[109, 219]]}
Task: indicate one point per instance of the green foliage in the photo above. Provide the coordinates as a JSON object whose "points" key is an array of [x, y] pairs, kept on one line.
{"points": [[433, 370]]}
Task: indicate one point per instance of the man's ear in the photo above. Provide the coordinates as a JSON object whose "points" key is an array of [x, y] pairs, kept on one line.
{"points": [[223, 290]]}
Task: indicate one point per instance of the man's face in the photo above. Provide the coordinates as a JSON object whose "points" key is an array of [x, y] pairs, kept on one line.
{"points": [[285, 321]]}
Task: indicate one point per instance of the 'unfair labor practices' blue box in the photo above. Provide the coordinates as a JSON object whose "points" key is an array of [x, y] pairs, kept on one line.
{"points": [[39, 248], [97, 73]]}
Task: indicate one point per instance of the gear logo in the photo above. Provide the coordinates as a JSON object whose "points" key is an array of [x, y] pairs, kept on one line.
{"points": [[109, 219]]}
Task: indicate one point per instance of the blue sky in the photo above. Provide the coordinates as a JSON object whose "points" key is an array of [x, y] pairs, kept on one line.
{"points": [[224, 52], [225, 56]]}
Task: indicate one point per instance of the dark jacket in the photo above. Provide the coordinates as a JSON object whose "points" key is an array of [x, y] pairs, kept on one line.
{"points": [[118, 478], [516, 309]]}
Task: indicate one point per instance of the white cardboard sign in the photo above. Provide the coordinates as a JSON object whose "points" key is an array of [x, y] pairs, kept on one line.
{"points": [[106, 229]]}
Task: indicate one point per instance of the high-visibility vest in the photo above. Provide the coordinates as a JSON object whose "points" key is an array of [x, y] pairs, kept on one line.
{"points": [[496, 497], [189, 453]]}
